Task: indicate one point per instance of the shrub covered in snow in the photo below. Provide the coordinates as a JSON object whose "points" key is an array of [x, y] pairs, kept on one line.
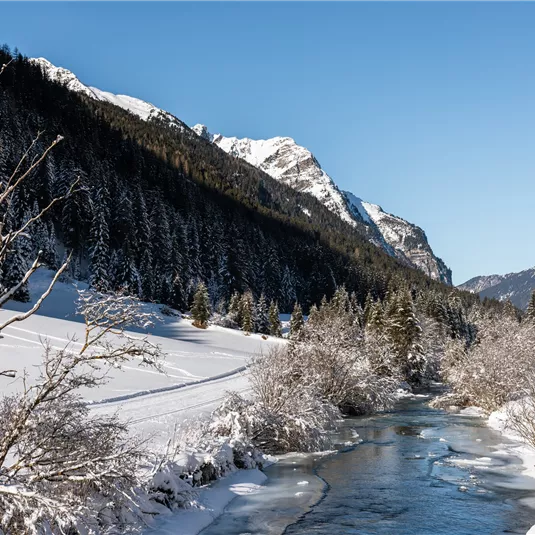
{"points": [[497, 368]]}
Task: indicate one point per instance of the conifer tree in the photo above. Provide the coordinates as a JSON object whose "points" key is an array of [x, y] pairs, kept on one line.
{"points": [[530, 311], [201, 307], [510, 310], [368, 308], [247, 310], [14, 269], [146, 275], [312, 314], [100, 261], [405, 333], [234, 308], [275, 326], [261, 313], [297, 321], [376, 321], [340, 301]]}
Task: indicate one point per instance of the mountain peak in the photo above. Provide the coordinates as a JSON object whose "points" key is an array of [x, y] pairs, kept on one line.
{"points": [[283, 159], [202, 131], [517, 287], [286, 161]]}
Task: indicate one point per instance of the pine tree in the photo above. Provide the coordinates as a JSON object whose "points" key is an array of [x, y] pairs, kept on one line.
{"points": [[247, 310], [201, 307], [376, 321], [261, 313], [14, 270], [405, 333], [100, 260], [275, 326], [297, 321], [368, 308], [530, 311], [234, 308]]}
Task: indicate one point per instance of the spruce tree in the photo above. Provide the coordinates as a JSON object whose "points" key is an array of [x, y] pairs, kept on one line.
{"points": [[530, 311], [510, 310], [14, 270], [405, 333], [297, 321], [234, 308], [247, 310], [376, 321], [262, 319], [100, 260], [201, 307], [275, 326]]}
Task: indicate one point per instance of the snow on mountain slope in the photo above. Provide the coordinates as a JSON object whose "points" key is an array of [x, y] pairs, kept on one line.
{"points": [[481, 283], [144, 110], [410, 240], [285, 160], [517, 287]]}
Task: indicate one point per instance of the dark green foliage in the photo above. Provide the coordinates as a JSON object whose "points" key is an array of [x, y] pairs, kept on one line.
{"points": [[275, 327], [201, 307], [297, 321], [178, 209], [530, 311]]}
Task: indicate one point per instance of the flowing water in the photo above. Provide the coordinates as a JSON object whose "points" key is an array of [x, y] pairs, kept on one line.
{"points": [[415, 470]]}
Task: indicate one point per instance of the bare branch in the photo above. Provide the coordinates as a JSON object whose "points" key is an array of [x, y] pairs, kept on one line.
{"points": [[39, 302]]}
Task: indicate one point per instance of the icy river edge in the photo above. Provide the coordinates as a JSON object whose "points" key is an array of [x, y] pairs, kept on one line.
{"points": [[414, 471]]}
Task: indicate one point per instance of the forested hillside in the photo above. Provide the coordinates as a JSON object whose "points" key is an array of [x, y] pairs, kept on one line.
{"points": [[159, 209]]}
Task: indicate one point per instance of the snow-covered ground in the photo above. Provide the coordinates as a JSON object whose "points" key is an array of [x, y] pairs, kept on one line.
{"points": [[191, 355], [516, 446], [200, 367]]}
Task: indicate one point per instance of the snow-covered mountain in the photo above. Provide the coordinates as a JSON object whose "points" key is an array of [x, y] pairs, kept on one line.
{"points": [[517, 287], [144, 110], [283, 159]]}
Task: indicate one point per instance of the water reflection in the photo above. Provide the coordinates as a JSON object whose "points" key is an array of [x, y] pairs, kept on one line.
{"points": [[417, 471]]}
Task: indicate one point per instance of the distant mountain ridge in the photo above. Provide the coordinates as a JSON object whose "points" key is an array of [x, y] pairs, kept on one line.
{"points": [[283, 159], [517, 287]]}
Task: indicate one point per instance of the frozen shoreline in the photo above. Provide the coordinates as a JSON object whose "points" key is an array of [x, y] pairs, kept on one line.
{"points": [[210, 504], [499, 421]]}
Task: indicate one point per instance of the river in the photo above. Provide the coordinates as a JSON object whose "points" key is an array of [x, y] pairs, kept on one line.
{"points": [[414, 470]]}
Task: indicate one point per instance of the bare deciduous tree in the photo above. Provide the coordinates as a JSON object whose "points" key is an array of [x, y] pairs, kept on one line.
{"points": [[55, 457]]}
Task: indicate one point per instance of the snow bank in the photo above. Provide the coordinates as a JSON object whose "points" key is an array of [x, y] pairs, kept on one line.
{"points": [[500, 421], [210, 504]]}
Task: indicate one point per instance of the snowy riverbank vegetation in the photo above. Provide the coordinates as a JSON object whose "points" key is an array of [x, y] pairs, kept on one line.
{"points": [[498, 368]]}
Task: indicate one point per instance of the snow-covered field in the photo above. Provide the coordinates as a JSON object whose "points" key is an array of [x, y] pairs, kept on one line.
{"points": [[200, 365]]}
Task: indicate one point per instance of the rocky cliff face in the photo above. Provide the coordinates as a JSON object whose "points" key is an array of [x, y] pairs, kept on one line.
{"points": [[517, 287], [283, 159]]}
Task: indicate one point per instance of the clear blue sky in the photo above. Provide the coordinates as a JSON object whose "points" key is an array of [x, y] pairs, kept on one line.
{"points": [[427, 109]]}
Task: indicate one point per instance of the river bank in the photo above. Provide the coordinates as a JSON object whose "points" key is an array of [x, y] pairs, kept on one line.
{"points": [[417, 470]]}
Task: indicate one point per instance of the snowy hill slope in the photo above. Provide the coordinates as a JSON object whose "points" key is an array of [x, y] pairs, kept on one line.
{"points": [[285, 160], [517, 287], [200, 365], [144, 110]]}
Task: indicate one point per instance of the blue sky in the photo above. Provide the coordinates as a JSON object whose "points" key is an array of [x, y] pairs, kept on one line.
{"points": [[427, 109]]}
